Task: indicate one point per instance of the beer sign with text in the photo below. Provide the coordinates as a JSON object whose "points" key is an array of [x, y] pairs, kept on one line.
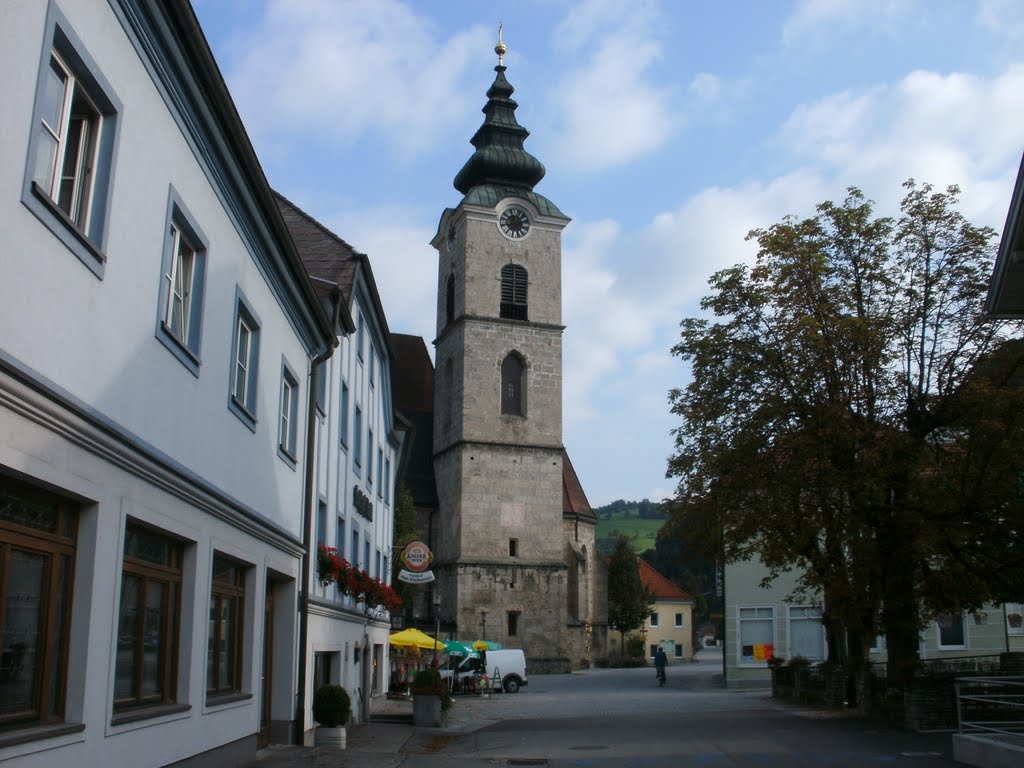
{"points": [[416, 558]]}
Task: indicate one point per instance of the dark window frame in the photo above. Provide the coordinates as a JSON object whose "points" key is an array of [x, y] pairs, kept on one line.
{"points": [[58, 545], [227, 593], [171, 574]]}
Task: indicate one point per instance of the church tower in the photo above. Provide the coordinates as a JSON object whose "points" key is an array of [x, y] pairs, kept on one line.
{"points": [[500, 551]]}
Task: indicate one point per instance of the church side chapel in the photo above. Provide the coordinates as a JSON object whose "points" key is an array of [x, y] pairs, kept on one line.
{"points": [[513, 535]]}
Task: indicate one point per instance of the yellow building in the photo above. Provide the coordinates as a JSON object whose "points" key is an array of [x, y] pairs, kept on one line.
{"points": [[670, 624]]}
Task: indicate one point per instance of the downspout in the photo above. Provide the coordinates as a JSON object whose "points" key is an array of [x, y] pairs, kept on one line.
{"points": [[309, 493]]}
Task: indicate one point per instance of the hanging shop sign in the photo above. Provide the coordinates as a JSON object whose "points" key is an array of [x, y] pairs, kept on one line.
{"points": [[416, 558]]}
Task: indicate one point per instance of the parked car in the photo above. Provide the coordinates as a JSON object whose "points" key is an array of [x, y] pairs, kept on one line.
{"points": [[509, 664]]}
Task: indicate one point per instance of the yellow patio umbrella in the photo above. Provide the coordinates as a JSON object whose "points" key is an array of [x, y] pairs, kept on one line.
{"points": [[412, 637]]}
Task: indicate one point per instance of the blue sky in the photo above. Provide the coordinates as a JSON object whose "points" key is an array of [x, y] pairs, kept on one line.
{"points": [[668, 129]]}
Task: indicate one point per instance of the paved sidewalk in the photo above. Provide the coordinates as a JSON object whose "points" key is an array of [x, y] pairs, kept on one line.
{"points": [[376, 744]]}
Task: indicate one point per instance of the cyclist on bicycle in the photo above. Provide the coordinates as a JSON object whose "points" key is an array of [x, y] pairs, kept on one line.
{"points": [[660, 661]]}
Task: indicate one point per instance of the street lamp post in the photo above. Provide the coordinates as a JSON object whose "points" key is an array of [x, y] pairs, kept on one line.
{"points": [[483, 625], [437, 617]]}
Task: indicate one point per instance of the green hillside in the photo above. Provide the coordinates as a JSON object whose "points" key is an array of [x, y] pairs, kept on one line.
{"points": [[637, 521]]}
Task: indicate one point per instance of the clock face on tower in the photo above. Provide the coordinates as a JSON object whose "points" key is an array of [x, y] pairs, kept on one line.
{"points": [[514, 223]]}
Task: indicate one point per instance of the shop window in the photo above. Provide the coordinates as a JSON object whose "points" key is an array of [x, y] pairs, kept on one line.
{"points": [[149, 612], [37, 553], [227, 613], [756, 635]]}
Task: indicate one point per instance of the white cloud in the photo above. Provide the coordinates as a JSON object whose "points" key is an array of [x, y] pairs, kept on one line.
{"points": [[706, 86], [305, 71], [944, 129], [403, 262], [1002, 16], [814, 21], [608, 110], [626, 291]]}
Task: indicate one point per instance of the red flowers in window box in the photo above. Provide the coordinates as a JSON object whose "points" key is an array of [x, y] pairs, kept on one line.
{"points": [[372, 592]]}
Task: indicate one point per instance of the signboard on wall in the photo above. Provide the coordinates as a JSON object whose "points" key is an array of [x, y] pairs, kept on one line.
{"points": [[416, 557]]}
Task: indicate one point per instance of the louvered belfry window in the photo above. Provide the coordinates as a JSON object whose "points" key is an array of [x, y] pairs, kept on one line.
{"points": [[513, 292], [449, 301]]}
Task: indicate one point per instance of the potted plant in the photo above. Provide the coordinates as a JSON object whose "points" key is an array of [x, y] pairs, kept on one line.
{"points": [[1014, 620], [428, 697], [331, 708]]}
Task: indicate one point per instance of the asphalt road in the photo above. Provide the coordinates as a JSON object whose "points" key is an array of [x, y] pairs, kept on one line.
{"points": [[620, 718]]}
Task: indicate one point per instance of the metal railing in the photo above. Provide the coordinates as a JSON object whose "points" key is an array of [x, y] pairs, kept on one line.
{"points": [[991, 706]]}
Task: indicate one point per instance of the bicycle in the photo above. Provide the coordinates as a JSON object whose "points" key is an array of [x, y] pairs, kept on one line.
{"points": [[661, 676]]}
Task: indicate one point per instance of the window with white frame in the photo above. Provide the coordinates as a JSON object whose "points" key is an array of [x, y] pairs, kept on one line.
{"points": [[952, 631], [1014, 619], [245, 362], [756, 633], [369, 457], [72, 145], [182, 281], [387, 481], [321, 387], [806, 633], [655, 619], [679, 650], [380, 472], [343, 415], [288, 419], [357, 441], [359, 336], [679, 620]]}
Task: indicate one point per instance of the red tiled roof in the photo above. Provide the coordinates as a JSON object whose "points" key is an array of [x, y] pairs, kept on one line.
{"points": [[662, 588], [574, 500]]}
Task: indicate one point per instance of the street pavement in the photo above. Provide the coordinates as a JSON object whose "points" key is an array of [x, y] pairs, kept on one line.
{"points": [[620, 718]]}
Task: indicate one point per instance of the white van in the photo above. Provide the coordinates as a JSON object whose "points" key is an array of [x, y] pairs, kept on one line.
{"points": [[510, 666]]}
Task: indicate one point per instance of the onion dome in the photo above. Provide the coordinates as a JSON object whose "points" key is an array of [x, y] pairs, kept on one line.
{"points": [[500, 167]]}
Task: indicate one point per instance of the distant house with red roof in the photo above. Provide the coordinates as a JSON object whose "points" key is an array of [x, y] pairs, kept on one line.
{"points": [[670, 624]]}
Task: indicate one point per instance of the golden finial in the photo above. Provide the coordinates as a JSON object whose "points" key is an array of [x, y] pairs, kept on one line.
{"points": [[500, 48]]}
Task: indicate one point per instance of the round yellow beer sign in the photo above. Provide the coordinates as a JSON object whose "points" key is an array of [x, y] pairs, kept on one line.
{"points": [[416, 556]]}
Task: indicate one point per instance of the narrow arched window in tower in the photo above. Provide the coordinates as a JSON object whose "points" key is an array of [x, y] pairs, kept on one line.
{"points": [[448, 394], [513, 292], [513, 399], [449, 301]]}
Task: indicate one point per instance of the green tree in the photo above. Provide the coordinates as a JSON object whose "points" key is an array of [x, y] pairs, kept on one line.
{"points": [[629, 601], [839, 386]]}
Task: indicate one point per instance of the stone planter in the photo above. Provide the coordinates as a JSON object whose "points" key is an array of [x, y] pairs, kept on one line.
{"points": [[330, 738], [426, 710]]}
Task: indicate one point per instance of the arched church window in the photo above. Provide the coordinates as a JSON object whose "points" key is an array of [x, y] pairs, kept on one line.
{"points": [[449, 300], [513, 399], [513, 292], [449, 394]]}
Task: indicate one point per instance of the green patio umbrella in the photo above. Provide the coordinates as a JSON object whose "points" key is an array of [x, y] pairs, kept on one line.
{"points": [[456, 648]]}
